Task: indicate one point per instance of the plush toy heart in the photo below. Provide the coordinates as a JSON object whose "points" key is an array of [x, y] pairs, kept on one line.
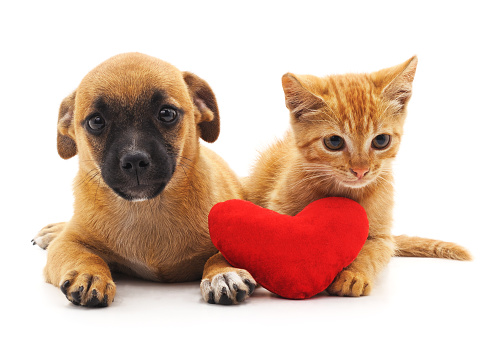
{"points": [[292, 256]]}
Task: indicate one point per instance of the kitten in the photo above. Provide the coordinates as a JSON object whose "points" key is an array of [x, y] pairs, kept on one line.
{"points": [[346, 130]]}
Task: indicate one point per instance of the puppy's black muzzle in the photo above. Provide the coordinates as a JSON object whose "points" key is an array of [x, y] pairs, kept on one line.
{"points": [[138, 165]]}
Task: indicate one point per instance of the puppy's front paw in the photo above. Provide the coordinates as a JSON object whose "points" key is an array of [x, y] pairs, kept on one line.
{"points": [[228, 288], [349, 283], [47, 234], [88, 290]]}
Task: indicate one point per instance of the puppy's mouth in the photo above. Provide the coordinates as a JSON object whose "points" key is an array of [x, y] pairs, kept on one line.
{"points": [[140, 192]]}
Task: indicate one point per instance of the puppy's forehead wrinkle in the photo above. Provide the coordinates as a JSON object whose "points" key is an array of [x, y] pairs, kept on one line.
{"points": [[158, 96], [131, 103], [100, 104]]}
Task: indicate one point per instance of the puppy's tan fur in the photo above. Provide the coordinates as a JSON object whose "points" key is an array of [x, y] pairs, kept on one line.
{"points": [[163, 239]]}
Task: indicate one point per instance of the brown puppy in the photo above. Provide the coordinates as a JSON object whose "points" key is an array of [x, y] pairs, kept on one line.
{"points": [[144, 186]]}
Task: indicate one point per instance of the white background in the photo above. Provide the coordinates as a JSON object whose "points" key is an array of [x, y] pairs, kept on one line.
{"points": [[443, 172]]}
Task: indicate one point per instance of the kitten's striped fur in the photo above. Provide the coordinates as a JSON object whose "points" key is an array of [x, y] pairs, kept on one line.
{"points": [[300, 169]]}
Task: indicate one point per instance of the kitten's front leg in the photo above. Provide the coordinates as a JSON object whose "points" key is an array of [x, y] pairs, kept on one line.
{"points": [[357, 279]]}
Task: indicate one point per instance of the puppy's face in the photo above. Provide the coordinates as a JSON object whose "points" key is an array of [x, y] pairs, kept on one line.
{"points": [[135, 143], [136, 118]]}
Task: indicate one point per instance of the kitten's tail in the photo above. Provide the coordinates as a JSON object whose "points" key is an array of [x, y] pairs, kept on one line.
{"points": [[411, 246]]}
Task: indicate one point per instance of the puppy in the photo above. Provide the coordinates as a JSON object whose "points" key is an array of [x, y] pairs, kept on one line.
{"points": [[145, 185]]}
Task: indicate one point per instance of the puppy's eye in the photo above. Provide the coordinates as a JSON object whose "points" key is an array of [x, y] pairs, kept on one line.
{"points": [[167, 114], [96, 122], [381, 142], [334, 142]]}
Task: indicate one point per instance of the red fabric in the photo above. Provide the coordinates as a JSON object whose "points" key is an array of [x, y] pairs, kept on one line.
{"points": [[293, 257]]}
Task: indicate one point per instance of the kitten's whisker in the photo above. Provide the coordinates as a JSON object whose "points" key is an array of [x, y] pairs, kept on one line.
{"points": [[384, 180], [315, 178]]}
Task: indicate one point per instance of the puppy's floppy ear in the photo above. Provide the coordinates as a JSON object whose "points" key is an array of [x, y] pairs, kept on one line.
{"points": [[65, 137], [206, 106]]}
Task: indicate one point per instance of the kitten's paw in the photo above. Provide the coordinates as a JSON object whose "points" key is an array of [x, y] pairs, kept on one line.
{"points": [[349, 283], [47, 234], [228, 288], [88, 289]]}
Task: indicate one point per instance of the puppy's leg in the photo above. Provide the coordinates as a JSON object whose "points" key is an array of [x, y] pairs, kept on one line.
{"points": [[83, 277], [223, 284], [47, 234]]}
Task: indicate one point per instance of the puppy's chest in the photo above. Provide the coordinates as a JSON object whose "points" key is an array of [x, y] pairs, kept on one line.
{"points": [[161, 250]]}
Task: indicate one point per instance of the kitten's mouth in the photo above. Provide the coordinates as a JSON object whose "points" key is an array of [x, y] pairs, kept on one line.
{"points": [[356, 183]]}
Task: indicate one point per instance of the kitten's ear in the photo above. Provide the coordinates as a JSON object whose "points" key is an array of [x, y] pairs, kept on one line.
{"points": [[299, 100], [396, 82], [65, 128]]}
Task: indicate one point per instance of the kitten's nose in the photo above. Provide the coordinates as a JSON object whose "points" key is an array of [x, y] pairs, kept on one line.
{"points": [[360, 172]]}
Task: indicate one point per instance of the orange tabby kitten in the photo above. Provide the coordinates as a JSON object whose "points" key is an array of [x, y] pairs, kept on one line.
{"points": [[346, 130]]}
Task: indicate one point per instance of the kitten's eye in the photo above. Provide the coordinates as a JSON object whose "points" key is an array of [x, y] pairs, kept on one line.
{"points": [[334, 142], [381, 142], [96, 122], [167, 114]]}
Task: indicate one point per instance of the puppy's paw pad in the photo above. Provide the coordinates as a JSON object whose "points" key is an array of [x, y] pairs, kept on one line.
{"points": [[47, 234], [351, 284], [228, 288]]}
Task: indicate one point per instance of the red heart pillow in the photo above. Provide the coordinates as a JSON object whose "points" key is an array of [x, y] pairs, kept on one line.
{"points": [[292, 256]]}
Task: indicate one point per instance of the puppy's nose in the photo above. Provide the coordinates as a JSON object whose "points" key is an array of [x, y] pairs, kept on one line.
{"points": [[135, 161], [360, 172]]}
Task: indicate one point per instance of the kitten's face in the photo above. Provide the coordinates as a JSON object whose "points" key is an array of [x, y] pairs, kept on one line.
{"points": [[349, 127]]}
